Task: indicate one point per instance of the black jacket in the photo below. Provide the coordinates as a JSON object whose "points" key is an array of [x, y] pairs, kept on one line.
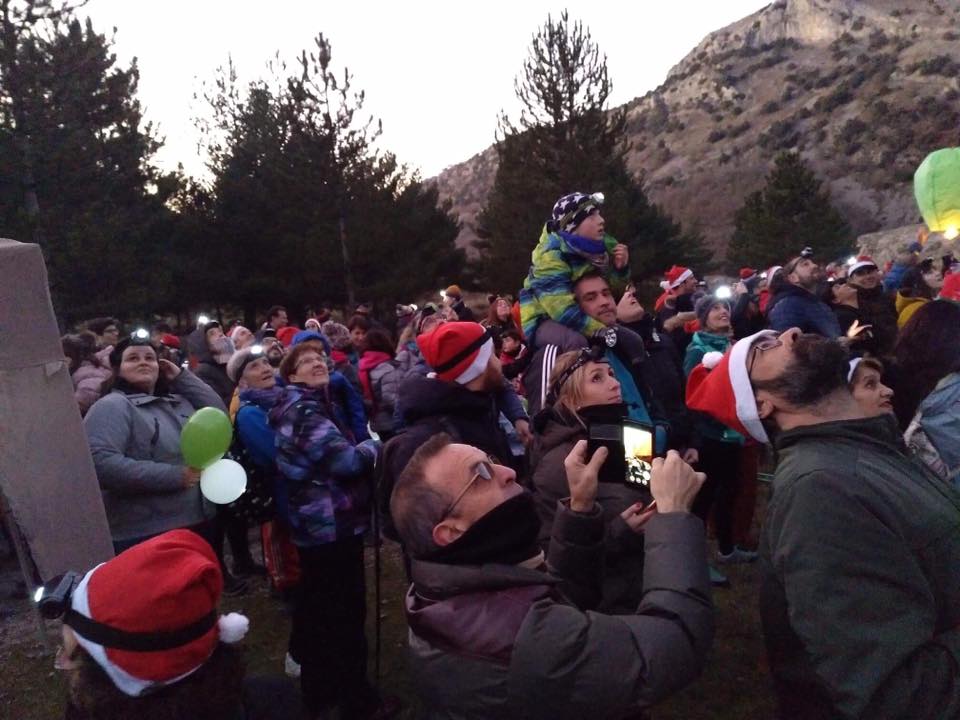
{"points": [[879, 310]]}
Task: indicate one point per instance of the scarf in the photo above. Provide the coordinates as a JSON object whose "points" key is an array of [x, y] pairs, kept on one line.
{"points": [[506, 535], [264, 398], [595, 251]]}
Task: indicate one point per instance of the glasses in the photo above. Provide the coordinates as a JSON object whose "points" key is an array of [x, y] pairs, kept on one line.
{"points": [[311, 360], [482, 470], [762, 345]]}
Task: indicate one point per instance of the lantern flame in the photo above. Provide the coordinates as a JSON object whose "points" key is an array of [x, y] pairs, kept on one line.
{"points": [[951, 232]]}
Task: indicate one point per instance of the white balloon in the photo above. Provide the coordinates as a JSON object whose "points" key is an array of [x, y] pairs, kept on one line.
{"points": [[223, 482]]}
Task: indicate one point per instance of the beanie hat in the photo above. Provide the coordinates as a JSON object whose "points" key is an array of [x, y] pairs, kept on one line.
{"points": [[705, 305], [951, 287], [240, 359], [305, 335], [747, 273], [339, 335], [454, 291], [148, 617], [457, 351], [863, 261], [720, 387], [286, 334], [210, 325], [571, 210], [234, 330], [170, 340], [675, 277]]}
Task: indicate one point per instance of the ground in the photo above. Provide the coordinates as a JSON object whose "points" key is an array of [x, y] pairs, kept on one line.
{"points": [[734, 685]]}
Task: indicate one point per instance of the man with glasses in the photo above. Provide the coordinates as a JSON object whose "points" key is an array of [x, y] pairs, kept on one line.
{"points": [[860, 594], [796, 303], [497, 632]]}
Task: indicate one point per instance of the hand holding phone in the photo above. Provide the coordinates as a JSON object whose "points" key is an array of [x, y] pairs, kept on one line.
{"points": [[674, 484]]}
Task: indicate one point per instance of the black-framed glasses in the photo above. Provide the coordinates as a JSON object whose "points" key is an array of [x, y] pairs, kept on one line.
{"points": [[762, 345], [482, 470]]}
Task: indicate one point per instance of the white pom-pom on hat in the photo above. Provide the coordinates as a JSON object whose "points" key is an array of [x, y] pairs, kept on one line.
{"points": [[233, 627], [712, 359], [665, 285]]}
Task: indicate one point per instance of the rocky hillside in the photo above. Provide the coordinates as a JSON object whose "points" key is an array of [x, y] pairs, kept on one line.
{"points": [[863, 90]]}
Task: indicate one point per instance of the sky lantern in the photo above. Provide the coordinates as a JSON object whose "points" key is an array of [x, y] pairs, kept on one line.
{"points": [[936, 185]]}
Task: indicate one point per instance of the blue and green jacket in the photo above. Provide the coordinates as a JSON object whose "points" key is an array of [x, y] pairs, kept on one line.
{"points": [[548, 290]]}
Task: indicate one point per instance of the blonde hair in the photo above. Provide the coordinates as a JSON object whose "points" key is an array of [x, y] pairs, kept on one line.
{"points": [[570, 395]]}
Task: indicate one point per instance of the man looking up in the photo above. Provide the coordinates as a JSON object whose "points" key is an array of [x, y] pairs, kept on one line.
{"points": [[795, 302], [860, 595]]}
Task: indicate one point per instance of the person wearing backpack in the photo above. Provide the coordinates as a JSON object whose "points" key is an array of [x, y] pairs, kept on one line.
{"points": [[380, 378]]}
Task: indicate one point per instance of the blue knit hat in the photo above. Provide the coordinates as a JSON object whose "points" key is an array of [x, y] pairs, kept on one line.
{"points": [[571, 210], [305, 335]]}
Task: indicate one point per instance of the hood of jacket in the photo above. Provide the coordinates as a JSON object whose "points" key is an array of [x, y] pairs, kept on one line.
{"points": [[439, 580], [944, 397], [790, 290], [880, 432], [554, 428], [710, 342]]}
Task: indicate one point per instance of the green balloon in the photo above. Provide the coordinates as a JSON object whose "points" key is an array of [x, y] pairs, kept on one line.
{"points": [[936, 186], [205, 437]]}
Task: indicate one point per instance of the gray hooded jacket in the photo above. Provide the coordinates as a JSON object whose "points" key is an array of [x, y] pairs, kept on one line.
{"points": [[135, 442]]}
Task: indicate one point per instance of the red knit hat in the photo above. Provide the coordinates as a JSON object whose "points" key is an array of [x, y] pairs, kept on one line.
{"points": [[747, 273], [170, 340], [951, 287], [154, 612], [285, 334], [675, 276], [863, 261], [720, 387], [457, 351]]}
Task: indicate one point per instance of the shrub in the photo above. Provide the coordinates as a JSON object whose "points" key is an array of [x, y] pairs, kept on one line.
{"points": [[716, 135], [769, 107]]}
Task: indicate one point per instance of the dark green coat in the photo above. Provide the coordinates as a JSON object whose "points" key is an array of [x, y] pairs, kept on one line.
{"points": [[860, 565]]}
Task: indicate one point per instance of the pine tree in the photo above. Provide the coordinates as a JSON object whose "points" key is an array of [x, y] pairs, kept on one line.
{"points": [[789, 213], [75, 168], [565, 141], [306, 207]]}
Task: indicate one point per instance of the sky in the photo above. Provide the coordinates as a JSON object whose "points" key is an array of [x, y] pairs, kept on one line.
{"points": [[436, 73]]}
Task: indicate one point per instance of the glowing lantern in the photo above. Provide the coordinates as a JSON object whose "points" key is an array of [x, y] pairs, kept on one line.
{"points": [[936, 185]]}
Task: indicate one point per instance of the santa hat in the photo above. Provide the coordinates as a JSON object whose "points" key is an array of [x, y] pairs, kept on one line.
{"points": [[720, 387], [951, 287], [170, 340], [149, 616], [675, 277], [234, 330], [863, 261], [771, 271], [457, 351], [286, 334], [747, 273]]}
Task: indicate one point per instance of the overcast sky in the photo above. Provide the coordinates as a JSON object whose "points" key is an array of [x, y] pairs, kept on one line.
{"points": [[436, 73]]}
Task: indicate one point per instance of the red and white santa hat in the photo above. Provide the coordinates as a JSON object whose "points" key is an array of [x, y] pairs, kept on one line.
{"points": [[720, 387], [863, 261], [457, 351], [149, 617], [675, 277], [746, 273]]}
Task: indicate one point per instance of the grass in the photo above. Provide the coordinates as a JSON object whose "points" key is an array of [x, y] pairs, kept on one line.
{"points": [[734, 685]]}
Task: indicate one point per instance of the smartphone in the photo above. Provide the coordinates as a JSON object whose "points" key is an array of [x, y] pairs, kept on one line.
{"points": [[631, 451]]}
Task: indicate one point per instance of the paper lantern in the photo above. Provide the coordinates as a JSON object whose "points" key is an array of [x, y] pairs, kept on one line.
{"points": [[936, 185]]}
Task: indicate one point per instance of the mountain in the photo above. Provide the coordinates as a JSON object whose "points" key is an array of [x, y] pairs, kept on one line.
{"points": [[862, 90]]}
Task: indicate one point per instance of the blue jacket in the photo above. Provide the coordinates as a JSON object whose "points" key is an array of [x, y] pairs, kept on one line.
{"points": [[795, 307], [892, 280], [940, 420], [327, 478]]}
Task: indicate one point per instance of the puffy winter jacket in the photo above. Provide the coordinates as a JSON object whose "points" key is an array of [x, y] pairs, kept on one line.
{"points": [[548, 289], [328, 480], [860, 594], [795, 307], [502, 641], [135, 442], [89, 378]]}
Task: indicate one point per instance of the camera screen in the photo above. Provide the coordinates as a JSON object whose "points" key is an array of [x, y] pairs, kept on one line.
{"points": [[638, 453]]}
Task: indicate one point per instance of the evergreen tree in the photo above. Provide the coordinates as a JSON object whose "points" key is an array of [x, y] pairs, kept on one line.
{"points": [[74, 165], [789, 213], [305, 205], [567, 141]]}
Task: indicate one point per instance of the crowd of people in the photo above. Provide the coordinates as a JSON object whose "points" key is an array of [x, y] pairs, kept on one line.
{"points": [[542, 583]]}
